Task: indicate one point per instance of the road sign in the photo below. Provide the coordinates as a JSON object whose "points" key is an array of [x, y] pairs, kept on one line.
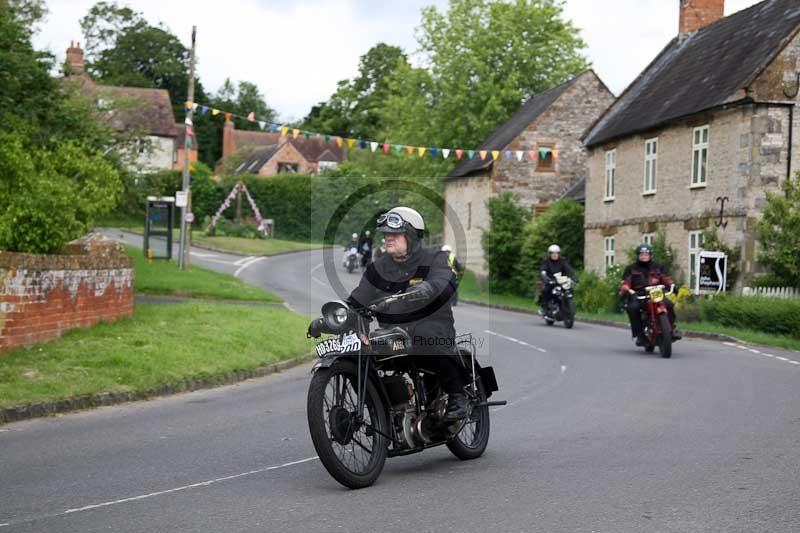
{"points": [[712, 272], [180, 199], [189, 218]]}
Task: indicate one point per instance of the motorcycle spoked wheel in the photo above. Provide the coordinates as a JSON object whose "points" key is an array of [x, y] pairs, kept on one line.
{"points": [[569, 313], [471, 441], [353, 453], [665, 338]]}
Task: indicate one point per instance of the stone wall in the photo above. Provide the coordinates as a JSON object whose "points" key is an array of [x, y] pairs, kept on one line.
{"points": [[466, 217], [562, 125], [42, 296]]}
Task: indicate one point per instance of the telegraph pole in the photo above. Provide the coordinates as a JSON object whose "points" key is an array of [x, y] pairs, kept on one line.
{"points": [[186, 226]]}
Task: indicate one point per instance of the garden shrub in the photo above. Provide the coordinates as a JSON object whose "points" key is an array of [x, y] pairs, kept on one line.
{"points": [[770, 315], [502, 246]]}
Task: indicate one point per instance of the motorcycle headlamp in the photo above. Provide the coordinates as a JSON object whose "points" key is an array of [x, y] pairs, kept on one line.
{"points": [[337, 315], [391, 220]]}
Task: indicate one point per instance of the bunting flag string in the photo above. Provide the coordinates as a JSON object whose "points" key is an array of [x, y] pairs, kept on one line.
{"points": [[348, 143]]}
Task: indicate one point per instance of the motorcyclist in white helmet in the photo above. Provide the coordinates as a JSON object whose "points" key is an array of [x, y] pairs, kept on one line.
{"points": [[429, 318], [553, 264]]}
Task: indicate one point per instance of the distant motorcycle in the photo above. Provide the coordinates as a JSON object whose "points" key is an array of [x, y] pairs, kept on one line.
{"points": [[560, 306], [368, 400], [351, 259], [655, 319]]}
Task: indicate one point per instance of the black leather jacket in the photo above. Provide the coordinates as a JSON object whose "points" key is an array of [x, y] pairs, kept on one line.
{"points": [[385, 277], [549, 269]]}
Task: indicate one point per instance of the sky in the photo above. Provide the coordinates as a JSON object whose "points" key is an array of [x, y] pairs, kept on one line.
{"points": [[297, 50]]}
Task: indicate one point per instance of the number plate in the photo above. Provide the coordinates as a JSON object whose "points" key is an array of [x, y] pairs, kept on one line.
{"points": [[657, 295], [345, 343]]}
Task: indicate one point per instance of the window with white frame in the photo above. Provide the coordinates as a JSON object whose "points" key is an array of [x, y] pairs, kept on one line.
{"points": [[650, 165], [695, 246], [648, 238], [609, 252], [699, 156], [611, 174]]}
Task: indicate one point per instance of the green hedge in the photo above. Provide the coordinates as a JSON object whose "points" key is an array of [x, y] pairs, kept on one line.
{"points": [[770, 315]]}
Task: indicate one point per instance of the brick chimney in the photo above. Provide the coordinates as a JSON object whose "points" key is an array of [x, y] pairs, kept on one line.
{"points": [[228, 146], [75, 65], [696, 14]]}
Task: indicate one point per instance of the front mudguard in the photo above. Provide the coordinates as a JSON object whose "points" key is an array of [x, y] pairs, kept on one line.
{"points": [[329, 360]]}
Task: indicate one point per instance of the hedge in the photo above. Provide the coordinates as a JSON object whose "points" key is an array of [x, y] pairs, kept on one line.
{"points": [[770, 315]]}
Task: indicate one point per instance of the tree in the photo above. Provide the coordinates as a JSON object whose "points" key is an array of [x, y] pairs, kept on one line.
{"points": [[778, 234], [354, 110], [502, 245], [561, 224], [483, 59]]}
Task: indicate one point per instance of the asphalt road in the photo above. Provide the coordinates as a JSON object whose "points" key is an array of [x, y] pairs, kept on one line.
{"points": [[597, 437]]}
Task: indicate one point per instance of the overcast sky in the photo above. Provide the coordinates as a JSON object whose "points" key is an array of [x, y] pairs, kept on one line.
{"points": [[296, 50]]}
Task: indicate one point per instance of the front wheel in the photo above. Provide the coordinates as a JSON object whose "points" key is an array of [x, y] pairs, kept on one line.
{"points": [[471, 441], [665, 338], [350, 445], [569, 313]]}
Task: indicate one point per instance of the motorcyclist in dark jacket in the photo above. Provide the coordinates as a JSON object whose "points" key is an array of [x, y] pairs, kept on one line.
{"points": [[428, 318], [553, 264], [365, 248], [645, 273]]}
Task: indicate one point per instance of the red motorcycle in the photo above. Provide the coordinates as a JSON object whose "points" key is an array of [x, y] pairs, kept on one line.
{"points": [[655, 320]]}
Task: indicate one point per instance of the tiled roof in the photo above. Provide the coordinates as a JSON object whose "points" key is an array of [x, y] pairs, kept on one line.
{"points": [[511, 128], [704, 70], [312, 149], [257, 159], [138, 109]]}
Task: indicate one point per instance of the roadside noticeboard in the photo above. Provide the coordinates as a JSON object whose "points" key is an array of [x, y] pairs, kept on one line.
{"points": [[712, 272]]}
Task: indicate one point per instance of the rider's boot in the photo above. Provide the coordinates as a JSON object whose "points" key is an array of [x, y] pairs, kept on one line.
{"points": [[456, 406], [676, 334]]}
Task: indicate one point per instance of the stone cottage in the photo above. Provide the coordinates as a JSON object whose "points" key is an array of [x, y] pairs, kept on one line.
{"points": [[699, 138], [548, 126]]}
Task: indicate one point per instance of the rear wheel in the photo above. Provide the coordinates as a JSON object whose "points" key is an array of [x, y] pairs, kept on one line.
{"points": [[352, 448], [471, 441], [665, 338]]}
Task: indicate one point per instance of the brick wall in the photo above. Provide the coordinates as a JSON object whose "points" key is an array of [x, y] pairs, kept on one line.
{"points": [[42, 296]]}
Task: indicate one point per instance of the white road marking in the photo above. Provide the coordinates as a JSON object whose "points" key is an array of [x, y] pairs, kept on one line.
{"points": [[244, 260], [178, 489], [315, 277], [4, 525], [512, 339], [253, 261], [563, 368], [758, 352]]}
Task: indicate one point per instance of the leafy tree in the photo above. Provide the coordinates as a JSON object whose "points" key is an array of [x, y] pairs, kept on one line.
{"points": [[502, 244], [561, 224], [483, 59], [778, 234], [49, 197], [354, 110]]}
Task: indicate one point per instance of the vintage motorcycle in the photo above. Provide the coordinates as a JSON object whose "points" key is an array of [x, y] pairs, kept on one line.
{"points": [[655, 320], [560, 306], [351, 259], [367, 399]]}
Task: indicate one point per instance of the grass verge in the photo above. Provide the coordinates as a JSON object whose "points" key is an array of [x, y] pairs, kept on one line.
{"points": [[235, 245], [472, 289], [163, 277], [159, 345]]}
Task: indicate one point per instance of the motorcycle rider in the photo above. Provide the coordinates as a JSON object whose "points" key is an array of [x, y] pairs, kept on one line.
{"points": [[553, 264], [349, 246], [409, 267], [643, 273], [365, 248]]}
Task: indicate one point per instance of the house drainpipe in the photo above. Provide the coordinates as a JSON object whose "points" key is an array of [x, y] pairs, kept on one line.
{"points": [[791, 96]]}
